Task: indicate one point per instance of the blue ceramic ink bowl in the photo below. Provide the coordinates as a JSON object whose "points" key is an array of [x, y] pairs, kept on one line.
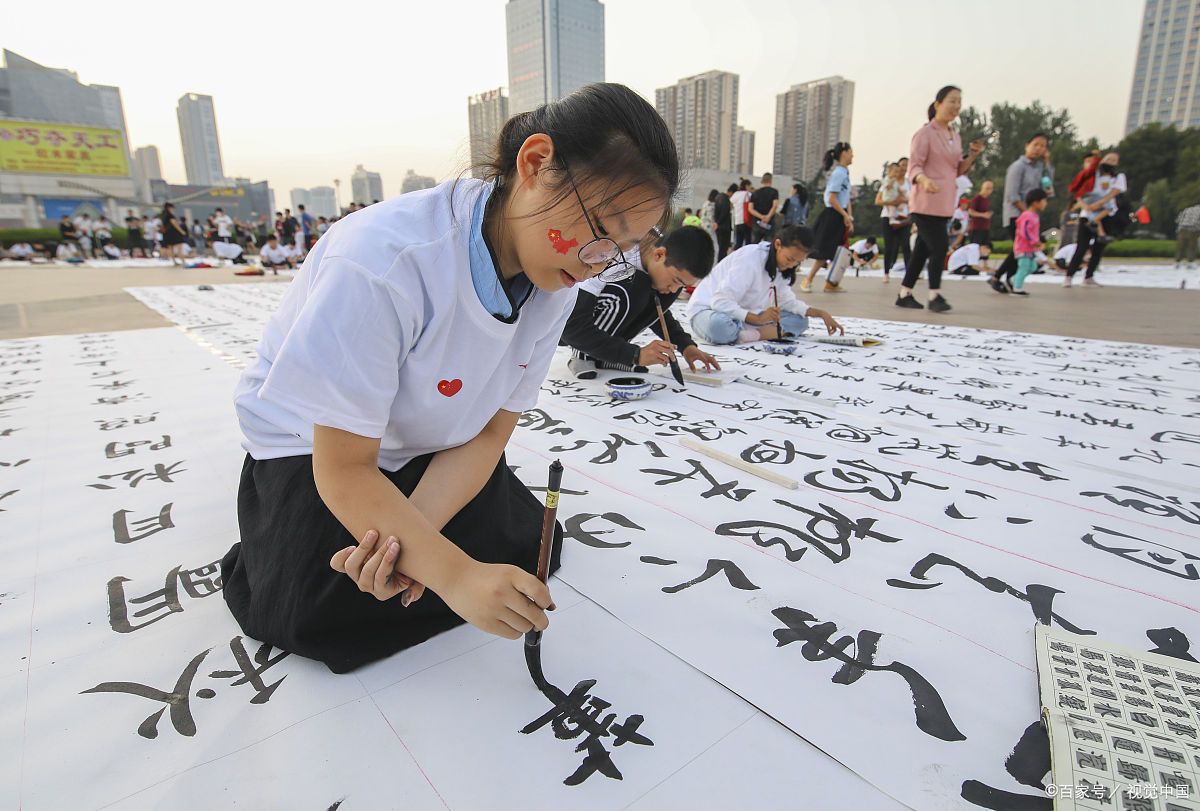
{"points": [[629, 388], [779, 347]]}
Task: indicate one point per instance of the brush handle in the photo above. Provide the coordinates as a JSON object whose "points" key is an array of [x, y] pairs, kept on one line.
{"points": [[548, 518]]}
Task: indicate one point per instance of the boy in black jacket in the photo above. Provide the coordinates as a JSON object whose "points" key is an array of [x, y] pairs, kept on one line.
{"points": [[607, 317]]}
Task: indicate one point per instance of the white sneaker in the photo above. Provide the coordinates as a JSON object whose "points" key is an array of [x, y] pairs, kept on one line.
{"points": [[1090, 282], [1066, 281], [582, 368], [805, 286], [748, 335]]}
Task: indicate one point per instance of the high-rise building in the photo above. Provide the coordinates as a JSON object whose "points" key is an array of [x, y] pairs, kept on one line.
{"points": [[322, 201], [146, 167], [701, 113], [1166, 75], [555, 47], [201, 146], [486, 114], [145, 160], [63, 145], [34, 91], [365, 187], [809, 119], [414, 182], [299, 197], [745, 159]]}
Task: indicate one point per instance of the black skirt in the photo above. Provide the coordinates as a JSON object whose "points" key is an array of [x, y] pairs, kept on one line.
{"points": [[281, 589], [829, 233]]}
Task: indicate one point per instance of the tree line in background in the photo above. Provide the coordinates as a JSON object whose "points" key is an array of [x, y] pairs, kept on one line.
{"points": [[1161, 164]]}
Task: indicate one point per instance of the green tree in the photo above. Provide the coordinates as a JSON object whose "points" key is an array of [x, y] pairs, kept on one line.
{"points": [[867, 215], [1156, 196], [1007, 127]]}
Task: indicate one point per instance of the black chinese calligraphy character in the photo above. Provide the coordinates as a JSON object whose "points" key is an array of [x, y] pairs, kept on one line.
{"points": [[930, 711]]}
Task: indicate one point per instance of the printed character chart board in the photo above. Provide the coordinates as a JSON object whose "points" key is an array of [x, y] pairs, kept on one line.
{"points": [[952, 483], [1122, 723]]}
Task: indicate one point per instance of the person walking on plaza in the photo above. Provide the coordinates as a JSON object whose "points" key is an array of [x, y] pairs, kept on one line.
{"points": [[1187, 233], [795, 208], [897, 226], [936, 162], [835, 223], [136, 243], [741, 214], [174, 235], [764, 202], [1110, 183], [980, 214], [1027, 241], [1024, 175], [723, 221]]}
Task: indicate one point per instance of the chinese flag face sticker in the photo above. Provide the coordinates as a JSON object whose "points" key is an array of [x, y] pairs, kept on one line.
{"points": [[561, 245]]}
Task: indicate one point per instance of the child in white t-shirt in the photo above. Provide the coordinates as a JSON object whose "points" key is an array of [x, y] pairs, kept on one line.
{"points": [[969, 260], [395, 370], [863, 252]]}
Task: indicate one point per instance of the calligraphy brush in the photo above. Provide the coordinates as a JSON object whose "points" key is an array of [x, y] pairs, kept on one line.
{"points": [[662, 324], [775, 304], [533, 639]]}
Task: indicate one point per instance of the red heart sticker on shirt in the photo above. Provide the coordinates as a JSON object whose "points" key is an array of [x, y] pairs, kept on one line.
{"points": [[450, 387]]}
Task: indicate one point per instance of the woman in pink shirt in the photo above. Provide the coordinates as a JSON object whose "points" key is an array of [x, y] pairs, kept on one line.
{"points": [[935, 162]]}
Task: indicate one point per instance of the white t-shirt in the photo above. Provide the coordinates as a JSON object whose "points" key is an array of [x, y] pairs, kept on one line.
{"points": [[962, 185], [277, 255], [1105, 184], [153, 226], [967, 255], [227, 250], [84, 226], [112, 251], [739, 285], [22, 250], [223, 223], [1065, 254], [738, 201], [382, 334], [863, 248]]}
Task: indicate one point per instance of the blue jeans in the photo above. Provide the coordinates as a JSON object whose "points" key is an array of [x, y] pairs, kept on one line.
{"points": [[715, 327]]}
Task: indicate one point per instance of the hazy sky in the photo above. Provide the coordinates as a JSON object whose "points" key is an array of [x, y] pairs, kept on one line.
{"points": [[304, 91]]}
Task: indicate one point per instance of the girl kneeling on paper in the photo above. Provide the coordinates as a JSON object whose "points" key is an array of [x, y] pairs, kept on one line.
{"points": [[392, 376]]}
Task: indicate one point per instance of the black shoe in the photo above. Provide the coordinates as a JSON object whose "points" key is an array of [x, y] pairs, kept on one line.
{"points": [[1016, 292], [909, 302], [998, 285], [939, 304]]}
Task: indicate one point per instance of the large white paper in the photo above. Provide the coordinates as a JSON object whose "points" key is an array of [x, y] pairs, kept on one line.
{"points": [[955, 484]]}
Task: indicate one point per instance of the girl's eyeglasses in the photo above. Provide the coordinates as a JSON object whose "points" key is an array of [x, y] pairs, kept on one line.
{"points": [[603, 249]]}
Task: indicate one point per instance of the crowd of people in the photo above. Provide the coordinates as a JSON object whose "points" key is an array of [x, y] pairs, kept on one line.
{"points": [[279, 242], [930, 221]]}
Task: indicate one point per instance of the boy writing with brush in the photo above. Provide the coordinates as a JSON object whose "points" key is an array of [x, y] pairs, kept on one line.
{"points": [[609, 315]]}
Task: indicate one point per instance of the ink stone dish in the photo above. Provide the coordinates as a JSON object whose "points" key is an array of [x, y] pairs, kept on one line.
{"points": [[629, 388], [780, 346]]}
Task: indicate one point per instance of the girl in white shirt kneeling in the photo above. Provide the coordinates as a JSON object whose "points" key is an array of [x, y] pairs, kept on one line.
{"points": [[391, 378]]}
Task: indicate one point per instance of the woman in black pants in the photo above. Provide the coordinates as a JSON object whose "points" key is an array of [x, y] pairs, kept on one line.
{"points": [[936, 161], [896, 225]]}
